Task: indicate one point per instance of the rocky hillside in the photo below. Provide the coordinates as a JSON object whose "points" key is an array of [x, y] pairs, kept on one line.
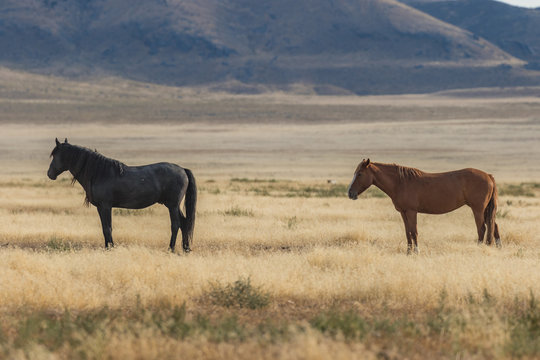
{"points": [[361, 46], [513, 29]]}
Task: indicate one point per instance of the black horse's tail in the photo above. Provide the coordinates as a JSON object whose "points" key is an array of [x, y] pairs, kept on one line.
{"points": [[489, 213], [190, 203]]}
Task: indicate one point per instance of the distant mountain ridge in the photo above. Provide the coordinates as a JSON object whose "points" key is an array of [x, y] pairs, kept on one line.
{"points": [[360, 46], [513, 29]]}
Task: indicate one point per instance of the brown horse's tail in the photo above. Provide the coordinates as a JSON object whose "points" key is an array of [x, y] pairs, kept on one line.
{"points": [[190, 203], [490, 212]]}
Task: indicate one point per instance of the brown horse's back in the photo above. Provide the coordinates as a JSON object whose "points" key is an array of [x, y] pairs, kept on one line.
{"points": [[439, 193]]}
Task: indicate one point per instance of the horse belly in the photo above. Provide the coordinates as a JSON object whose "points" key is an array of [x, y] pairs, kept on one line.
{"points": [[136, 195], [439, 208], [441, 200], [134, 203]]}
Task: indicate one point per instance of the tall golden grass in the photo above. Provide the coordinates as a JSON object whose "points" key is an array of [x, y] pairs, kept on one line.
{"points": [[309, 253], [312, 249]]}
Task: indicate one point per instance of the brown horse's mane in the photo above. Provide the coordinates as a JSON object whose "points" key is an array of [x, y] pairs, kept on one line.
{"points": [[404, 172], [408, 172]]}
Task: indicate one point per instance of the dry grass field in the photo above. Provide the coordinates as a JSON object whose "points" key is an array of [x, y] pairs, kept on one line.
{"points": [[283, 264]]}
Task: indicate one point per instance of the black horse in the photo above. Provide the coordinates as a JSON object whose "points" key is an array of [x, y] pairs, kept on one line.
{"points": [[109, 183]]}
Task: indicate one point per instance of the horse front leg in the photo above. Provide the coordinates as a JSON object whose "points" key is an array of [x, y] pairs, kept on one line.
{"points": [[407, 232], [409, 220], [106, 224], [413, 227]]}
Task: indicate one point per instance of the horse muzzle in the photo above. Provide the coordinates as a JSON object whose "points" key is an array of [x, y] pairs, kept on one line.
{"points": [[51, 175], [352, 195]]}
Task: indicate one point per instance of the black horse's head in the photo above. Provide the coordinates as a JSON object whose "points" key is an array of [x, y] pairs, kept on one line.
{"points": [[58, 163]]}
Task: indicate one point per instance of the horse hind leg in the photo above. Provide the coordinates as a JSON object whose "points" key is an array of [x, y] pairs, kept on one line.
{"points": [[489, 218], [480, 225], [414, 235], [497, 236], [174, 213], [185, 233]]}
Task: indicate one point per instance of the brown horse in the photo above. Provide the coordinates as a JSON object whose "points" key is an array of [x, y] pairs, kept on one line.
{"points": [[413, 191]]}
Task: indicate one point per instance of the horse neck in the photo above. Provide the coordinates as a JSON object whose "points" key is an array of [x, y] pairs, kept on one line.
{"points": [[77, 169], [77, 176], [386, 178]]}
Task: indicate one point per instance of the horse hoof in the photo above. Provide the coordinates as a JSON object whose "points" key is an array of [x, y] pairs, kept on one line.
{"points": [[412, 251]]}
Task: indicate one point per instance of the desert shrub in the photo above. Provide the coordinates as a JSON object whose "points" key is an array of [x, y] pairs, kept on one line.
{"points": [[57, 244], [240, 294]]}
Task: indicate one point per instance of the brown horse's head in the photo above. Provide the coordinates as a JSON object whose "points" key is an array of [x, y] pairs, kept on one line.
{"points": [[362, 179]]}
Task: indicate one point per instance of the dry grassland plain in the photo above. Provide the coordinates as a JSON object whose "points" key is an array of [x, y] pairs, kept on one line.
{"points": [[283, 264]]}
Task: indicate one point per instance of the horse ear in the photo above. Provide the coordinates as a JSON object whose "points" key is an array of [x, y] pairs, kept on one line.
{"points": [[365, 163], [65, 141], [57, 142]]}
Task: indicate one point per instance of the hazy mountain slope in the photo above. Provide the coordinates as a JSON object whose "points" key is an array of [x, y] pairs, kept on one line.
{"points": [[366, 46], [515, 30]]}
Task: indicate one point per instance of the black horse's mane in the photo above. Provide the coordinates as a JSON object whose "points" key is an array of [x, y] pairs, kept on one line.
{"points": [[87, 165]]}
